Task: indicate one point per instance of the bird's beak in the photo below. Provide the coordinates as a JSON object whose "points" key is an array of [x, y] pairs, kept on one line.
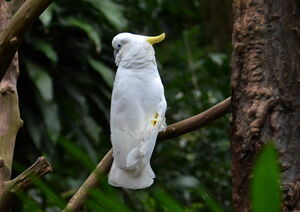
{"points": [[156, 39], [115, 53]]}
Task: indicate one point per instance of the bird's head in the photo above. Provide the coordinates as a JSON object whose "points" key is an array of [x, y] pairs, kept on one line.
{"points": [[131, 49]]}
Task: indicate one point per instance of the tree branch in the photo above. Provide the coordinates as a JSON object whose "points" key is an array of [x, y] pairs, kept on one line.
{"points": [[196, 122], [24, 181], [77, 201], [174, 130], [12, 28], [9, 107], [13, 34]]}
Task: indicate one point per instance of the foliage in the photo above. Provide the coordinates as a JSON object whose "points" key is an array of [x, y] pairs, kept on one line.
{"points": [[67, 71], [266, 181]]}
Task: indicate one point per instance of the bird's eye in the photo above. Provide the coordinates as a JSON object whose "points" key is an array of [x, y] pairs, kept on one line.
{"points": [[119, 46]]}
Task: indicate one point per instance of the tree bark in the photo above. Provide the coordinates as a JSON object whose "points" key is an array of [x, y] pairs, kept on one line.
{"points": [[10, 121], [15, 26], [23, 181], [266, 93], [11, 33]]}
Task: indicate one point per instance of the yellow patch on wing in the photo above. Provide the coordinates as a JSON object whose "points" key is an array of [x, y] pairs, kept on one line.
{"points": [[155, 119]]}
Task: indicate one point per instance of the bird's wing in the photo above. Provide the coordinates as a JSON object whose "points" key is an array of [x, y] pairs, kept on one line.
{"points": [[154, 108], [127, 117], [126, 128], [140, 155], [153, 126]]}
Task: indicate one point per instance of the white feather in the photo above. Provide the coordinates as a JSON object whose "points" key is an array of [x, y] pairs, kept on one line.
{"points": [[137, 112]]}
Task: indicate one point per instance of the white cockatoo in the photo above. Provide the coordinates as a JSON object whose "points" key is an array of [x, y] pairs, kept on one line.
{"points": [[138, 109]]}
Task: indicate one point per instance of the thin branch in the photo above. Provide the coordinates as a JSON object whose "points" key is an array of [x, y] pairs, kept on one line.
{"points": [[174, 130], [196, 122], [13, 34], [77, 201], [25, 180]]}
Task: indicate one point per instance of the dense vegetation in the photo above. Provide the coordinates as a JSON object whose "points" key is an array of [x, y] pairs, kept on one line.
{"points": [[67, 71]]}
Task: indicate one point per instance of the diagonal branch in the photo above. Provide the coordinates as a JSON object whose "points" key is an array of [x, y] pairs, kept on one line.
{"points": [[174, 130], [77, 201], [13, 34], [25, 180], [196, 122]]}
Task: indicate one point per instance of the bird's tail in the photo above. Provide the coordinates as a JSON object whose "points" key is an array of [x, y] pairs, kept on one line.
{"points": [[136, 172], [128, 179]]}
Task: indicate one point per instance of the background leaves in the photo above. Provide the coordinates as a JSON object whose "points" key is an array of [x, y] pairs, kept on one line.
{"points": [[67, 71]]}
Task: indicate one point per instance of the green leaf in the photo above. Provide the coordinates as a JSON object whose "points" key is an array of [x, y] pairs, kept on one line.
{"points": [[41, 79], [29, 203], [108, 200], [112, 12], [78, 153], [105, 72], [49, 192], [51, 119], [186, 181], [167, 202], [209, 201], [47, 49], [85, 26], [266, 181], [92, 128], [217, 58], [86, 144], [46, 16]]}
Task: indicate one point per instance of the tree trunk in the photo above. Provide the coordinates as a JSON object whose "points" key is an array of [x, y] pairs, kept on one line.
{"points": [[10, 121], [266, 93]]}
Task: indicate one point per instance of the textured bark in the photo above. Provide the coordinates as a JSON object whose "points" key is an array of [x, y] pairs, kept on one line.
{"points": [[24, 181], [266, 93], [10, 121], [13, 33]]}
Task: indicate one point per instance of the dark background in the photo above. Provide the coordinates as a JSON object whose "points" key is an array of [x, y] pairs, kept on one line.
{"points": [[66, 75]]}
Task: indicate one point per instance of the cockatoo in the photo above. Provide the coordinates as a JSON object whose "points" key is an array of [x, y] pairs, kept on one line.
{"points": [[138, 109]]}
